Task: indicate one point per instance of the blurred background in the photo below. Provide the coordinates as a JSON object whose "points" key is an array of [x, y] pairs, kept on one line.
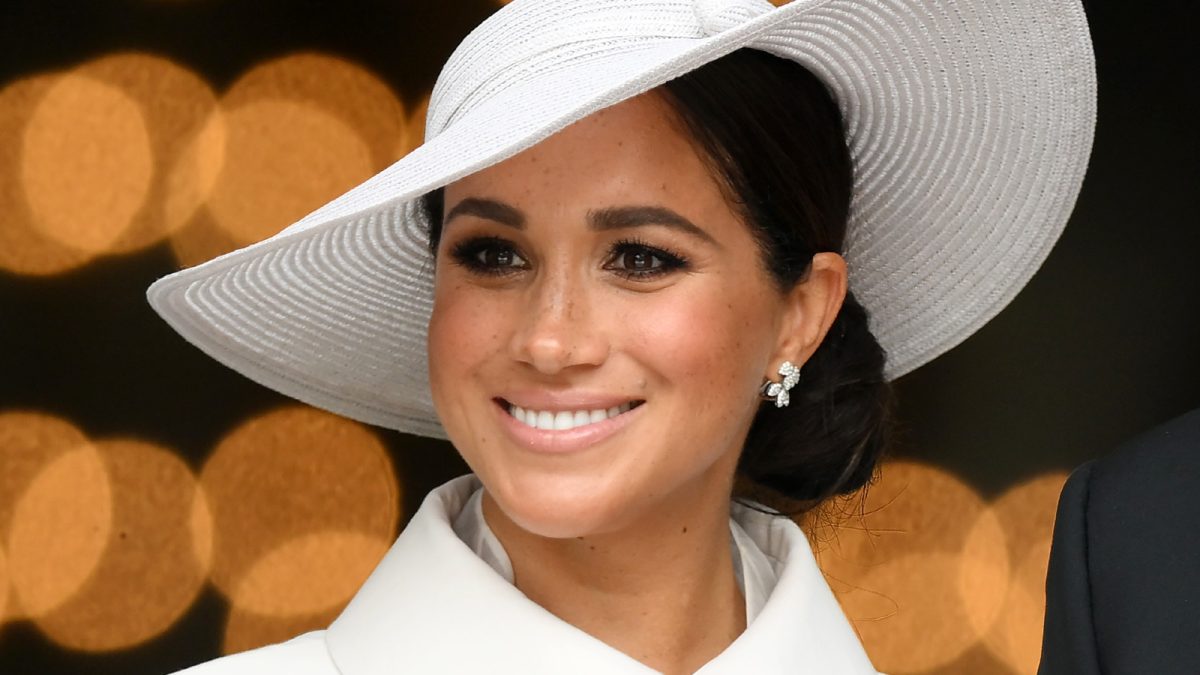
{"points": [[157, 510]]}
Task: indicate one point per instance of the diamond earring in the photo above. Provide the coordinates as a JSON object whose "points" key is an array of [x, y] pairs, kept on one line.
{"points": [[778, 391]]}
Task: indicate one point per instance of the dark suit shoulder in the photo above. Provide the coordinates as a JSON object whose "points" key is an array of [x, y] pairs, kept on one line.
{"points": [[1069, 638], [1141, 519], [1150, 467]]}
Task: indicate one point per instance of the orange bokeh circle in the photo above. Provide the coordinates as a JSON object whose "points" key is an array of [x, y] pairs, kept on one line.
{"points": [[328, 565], [246, 630], [1027, 512], [289, 135], [177, 106], [24, 247], [86, 164], [51, 477], [304, 504], [59, 530], [914, 572], [104, 540], [283, 158], [94, 160], [150, 571], [3, 585]]}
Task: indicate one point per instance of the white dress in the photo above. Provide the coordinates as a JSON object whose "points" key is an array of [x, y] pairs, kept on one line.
{"points": [[442, 601]]}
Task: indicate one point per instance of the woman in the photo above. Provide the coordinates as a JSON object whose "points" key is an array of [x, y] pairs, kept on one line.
{"points": [[626, 230]]}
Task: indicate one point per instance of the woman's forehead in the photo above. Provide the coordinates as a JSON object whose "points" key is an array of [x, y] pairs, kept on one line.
{"points": [[631, 150]]}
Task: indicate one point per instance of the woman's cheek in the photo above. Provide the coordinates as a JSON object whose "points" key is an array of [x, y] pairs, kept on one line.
{"points": [[698, 342], [461, 334]]}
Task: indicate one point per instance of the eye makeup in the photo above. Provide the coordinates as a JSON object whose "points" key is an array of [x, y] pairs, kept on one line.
{"points": [[634, 259], [488, 256], [631, 259]]}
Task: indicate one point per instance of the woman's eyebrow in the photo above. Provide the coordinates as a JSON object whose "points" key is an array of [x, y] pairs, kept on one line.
{"points": [[609, 218], [488, 209], [620, 217]]}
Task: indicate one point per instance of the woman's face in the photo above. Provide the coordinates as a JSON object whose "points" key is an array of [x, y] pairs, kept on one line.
{"points": [[602, 322]]}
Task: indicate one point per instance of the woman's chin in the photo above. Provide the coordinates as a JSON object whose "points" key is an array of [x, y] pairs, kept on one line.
{"points": [[561, 513]]}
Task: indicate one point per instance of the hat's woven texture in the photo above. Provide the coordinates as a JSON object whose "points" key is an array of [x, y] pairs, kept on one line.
{"points": [[969, 121]]}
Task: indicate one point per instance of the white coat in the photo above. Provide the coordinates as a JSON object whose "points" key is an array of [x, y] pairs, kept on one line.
{"points": [[434, 606]]}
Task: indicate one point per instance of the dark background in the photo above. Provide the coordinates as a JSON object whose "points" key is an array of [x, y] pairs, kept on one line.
{"points": [[1101, 344]]}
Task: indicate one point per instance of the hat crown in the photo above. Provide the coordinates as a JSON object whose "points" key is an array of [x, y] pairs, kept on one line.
{"points": [[531, 38], [717, 16]]}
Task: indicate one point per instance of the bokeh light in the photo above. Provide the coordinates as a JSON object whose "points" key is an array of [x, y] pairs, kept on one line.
{"points": [[246, 630], [39, 455], [100, 536], [176, 105], [283, 159], [329, 566], [934, 578], [3, 585], [304, 505], [150, 571], [191, 179], [59, 531], [90, 159], [24, 247], [86, 163], [337, 86], [289, 135], [29, 440], [919, 588], [1027, 513], [984, 569]]}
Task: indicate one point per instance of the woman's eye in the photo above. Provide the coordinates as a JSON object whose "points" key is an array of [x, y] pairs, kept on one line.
{"points": [[635, 260], [640, 261], [499, 257], [489, 255]]}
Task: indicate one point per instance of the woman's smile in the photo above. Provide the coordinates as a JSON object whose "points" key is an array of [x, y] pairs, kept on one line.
{"points": [[566, 430]]}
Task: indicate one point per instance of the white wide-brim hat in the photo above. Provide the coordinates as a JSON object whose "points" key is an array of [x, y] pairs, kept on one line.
{"points": [[969, 123]]}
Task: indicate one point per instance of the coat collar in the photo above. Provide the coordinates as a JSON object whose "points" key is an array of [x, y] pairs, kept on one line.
{"points": [[433, 606]]}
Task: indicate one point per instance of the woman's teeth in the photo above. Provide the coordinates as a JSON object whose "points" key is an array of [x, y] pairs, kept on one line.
{"points": [[562, 421]]}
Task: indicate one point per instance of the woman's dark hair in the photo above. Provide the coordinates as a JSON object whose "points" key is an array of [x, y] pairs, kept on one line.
{"points": [[774, 139]]}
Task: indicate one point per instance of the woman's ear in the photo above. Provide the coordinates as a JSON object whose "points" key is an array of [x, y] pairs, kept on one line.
{"points": [[811, 307]]}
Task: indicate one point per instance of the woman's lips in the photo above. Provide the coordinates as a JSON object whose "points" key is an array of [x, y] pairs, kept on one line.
{"points": [[580, 434]]}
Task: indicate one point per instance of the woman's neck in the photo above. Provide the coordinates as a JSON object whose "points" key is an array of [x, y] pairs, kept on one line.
{"points": [[662, 591]]}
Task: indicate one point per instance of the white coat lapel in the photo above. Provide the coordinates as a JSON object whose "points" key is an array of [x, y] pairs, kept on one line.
{"points": [[801, 628], [432, 606]]}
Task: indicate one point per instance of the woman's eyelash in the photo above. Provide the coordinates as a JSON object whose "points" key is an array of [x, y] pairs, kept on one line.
{"points": [[630, 258], [642, 261], [488, 255]]}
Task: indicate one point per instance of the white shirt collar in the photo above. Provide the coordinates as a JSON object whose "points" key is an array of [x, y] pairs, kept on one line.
{"points": [[435, 606]]}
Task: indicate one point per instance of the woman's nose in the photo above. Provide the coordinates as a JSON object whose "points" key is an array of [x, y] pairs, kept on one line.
{"points": [[558, 328]]}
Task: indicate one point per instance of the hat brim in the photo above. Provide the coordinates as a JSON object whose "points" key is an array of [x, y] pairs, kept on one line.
{"points": [[970, 125]]}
